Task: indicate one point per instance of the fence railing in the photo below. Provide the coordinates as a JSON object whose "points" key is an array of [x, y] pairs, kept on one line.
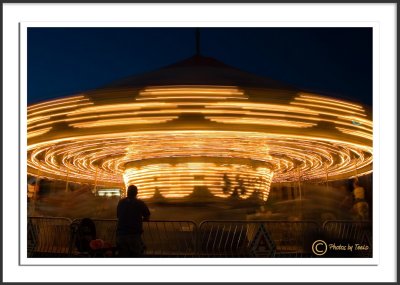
{"points": [[49, 235], [161, 238], [56, 236], [170, 238], [355, 233], [257, 238]]}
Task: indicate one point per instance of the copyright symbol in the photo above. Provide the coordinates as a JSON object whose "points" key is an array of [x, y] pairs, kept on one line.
{"points": [[319, 247]]}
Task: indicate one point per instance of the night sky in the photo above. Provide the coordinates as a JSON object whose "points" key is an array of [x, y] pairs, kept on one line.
{"points": [[331, 61]]}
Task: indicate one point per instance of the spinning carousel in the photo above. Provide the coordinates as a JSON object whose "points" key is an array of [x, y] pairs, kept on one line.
{"points": [[198, 126]]}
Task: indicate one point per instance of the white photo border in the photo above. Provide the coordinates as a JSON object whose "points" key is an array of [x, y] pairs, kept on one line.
{"points": [[383, 84]]}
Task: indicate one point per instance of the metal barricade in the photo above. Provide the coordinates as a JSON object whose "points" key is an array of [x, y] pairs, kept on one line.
{"points": [[170, 238], [55, 237], [256, 238], [356, 233], [32, 234], [161, 238], [48, 236], [105, 230]]}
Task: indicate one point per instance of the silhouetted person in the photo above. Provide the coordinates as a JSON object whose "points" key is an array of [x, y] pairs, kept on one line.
{"points": [[131, 212], [85, 231]]}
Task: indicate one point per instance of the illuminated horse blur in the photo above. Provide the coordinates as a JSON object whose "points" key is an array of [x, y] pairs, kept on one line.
{"points": [[360, 206]]}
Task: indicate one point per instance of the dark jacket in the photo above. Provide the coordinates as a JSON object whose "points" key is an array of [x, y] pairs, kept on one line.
{"points": [[130, 214]]}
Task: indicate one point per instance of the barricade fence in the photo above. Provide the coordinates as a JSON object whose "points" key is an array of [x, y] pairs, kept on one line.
{"points": [[57, 236], [48, 236], [357, 234], [257, 238], [170, 238]]}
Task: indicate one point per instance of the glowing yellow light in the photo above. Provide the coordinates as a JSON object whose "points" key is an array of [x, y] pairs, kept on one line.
{"points": [[321, 106], [356, 133], [192, 90], [38, 119], [154, 141], [260, 121], [331, 100], [116, 122], [73, 99], [36, 133], [180, 180], [53, 109], [211, 97], [336, 103]]}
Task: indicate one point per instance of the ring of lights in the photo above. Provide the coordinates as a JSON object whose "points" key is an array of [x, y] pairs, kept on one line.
{"points": [[169, 140]]}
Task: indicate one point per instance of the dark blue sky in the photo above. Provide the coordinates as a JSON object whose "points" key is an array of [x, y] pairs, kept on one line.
{"points": [[333, 61]]}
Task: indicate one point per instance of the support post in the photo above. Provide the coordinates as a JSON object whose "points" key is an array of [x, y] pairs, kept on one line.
{"points": [[355, 169], [35, 191], [298, 182], [300, 194], [95, 181], [66, 185], [326, 176]]}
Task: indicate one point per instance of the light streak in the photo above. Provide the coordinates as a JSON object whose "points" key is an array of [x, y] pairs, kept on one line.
{"points": [[116, 122], [324, 99], [43, 105], [40, 132], [260, 121], [154, 141]]}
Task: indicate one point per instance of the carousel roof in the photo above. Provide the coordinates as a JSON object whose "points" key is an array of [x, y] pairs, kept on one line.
{"points": [[199, 70]]}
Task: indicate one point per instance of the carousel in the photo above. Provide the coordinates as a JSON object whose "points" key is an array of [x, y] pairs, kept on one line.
{"points": [[198, 128]]}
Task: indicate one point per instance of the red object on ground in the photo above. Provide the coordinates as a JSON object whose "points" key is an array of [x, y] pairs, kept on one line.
{"points": [[96, 244]]}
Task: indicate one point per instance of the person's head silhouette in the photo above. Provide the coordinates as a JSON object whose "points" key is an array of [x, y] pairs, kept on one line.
{"points": [[132, 191]]}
